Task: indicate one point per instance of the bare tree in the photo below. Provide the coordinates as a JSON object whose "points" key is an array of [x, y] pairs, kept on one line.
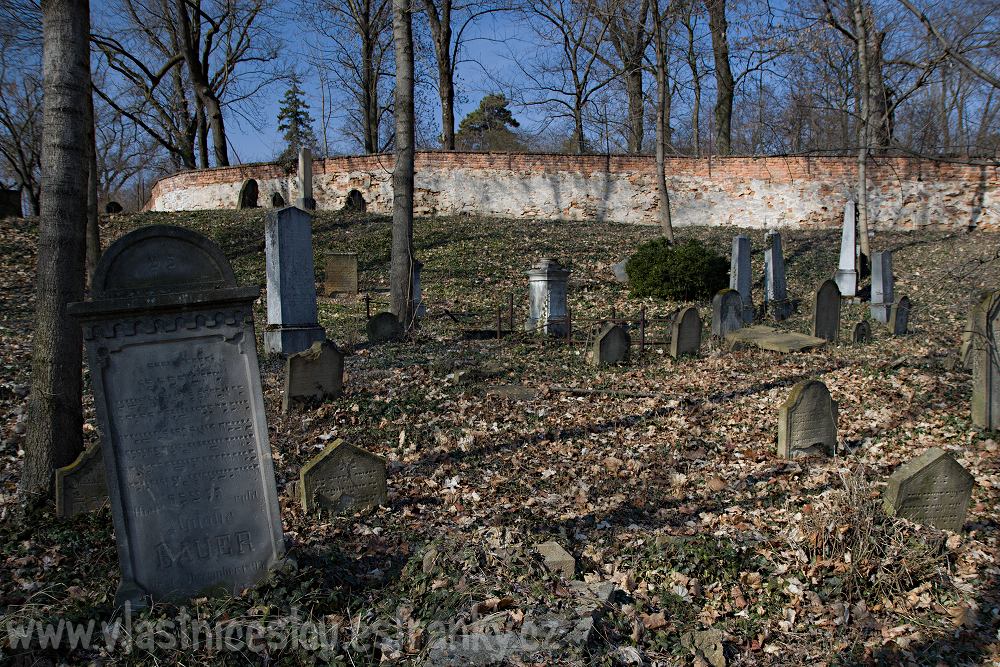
{"points": [[401, 269], [21, 130], [661, 28], [725, 85]]}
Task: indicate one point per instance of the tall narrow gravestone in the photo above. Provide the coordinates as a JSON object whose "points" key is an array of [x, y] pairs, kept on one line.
{"points": [[899, 317], [306, 200], [341, 273], [343, 478], [740, 276], [547, 298], [80, 486], [685, 336], [291, 283], [826, 311], [847, 268], [611, 345], [173, 362], [882, 286], [807, 421], [727, 312], [775, 288], [933, 489], [985, 353]]}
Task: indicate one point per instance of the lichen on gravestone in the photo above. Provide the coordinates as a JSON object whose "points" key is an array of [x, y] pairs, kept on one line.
{"points": [[932, 488]]}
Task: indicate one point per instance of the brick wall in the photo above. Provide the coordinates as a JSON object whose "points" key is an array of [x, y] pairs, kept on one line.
{"points": [[904, 193]]}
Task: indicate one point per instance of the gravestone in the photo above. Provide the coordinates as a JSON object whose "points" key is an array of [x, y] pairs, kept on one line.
{"points": [[277, 201], [547, 312], [847, 268], [173, 364], [619, 272], [775, 288], [248, 195], [355, 201], [727, 312], [113, 208], [740, 276], [985, 353], [807, 422], [685, 336], [882, 286], [80, 486], [899, 317], [291, 283], [862, 332], [313, 375], [343, 478], [306, 201], [341, 273], [975, 328], [611, 345], [931, 489], [383, 328], [826, 311]]}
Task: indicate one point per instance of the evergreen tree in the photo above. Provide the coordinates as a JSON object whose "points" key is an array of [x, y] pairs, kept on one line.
{"points": [[294, 120], [488, 128]]}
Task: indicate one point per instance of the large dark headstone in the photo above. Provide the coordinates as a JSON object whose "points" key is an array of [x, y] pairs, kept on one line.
{"points": [[807, 421], [685, 336], [248, 195], [611, 345], [383, 328], [826, 311], [727, 312], [899, 317], [173, 362]]}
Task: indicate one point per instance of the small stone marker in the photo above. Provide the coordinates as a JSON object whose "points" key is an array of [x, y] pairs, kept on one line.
{"points": [[685, 337], [343, 478], [306, 200], [80, 486], [611, 345], [882, 286], [862, 332], [899, 317], [985, 353], [547, 312], [727, 312], [341, 273], [557, 559], [383, 328], [847, 268], [807, 422], [173, 361], [248, 195], [826, 311], [619, 272], [313, 375], [775, 288], [931, 489], [740, 275], [291, 283]]}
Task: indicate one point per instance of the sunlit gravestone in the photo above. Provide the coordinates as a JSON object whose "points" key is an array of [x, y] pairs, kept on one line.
{"points": [[173, 361]]}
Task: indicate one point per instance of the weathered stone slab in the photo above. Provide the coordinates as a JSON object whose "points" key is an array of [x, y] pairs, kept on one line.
{"points": [[383, 327], [775, 288], [547, 313], [343, 478], [826, 311], [899, 317], [173, 362], [685, 338], [341, 273], [862, 332], [974, 331], [931, 489], [807, 422], [291, 283], [80, 486], [769, 338], [985, 354], [727, 313], [847, 268], [741, 276], [882, 286], [557, 559], [313, 375], [612, 345]]}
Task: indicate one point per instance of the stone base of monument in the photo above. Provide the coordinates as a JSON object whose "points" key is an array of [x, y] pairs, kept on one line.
{"points": [[880, 312], [306, 203], [292, 340], [847, 281]]}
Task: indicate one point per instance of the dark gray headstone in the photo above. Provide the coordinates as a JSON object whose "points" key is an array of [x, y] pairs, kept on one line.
{"points": [[313, 375], [685, 336], [775, 288], [173, 362], [985, 355], [862, 332], [899, 317], [611, 345], [882, 286], [248, 195], [741, 276], [807, 421], [80, 486], [343, 478], [826, 311], [291, 283], [931, 489], [727, 312], [383, 328]]}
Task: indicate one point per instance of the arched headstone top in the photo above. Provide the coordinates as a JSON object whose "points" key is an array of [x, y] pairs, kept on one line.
{"points": [[161, 259]]}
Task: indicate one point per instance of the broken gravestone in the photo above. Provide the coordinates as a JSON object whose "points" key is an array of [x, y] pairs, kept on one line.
{"points": [[313, 375], [862, 332], [80, 486], [932, 489], [899, 317], [343, 478], [807, 421], [383, 328], [611, 345], [727, 312], [557, 560], [685, 338], [826, 311]]}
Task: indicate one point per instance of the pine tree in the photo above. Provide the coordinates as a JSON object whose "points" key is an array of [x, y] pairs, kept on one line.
{"points": [[295, 121], [488, 128]]}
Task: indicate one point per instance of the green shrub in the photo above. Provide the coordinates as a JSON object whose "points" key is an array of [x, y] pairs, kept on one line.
{"points": [[682, 272]]}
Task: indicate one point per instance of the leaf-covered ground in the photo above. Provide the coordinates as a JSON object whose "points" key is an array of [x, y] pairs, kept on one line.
{"points": [[687, 530]]}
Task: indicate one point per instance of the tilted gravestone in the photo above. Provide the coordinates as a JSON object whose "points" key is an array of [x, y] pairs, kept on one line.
{"points": [[985, 353], [173, 363], [847, 268], [826, 311], [882, 286], [807, 421], [611, 345], [249, 192], [291, 283], [862, 332], [685, 336], [343, 478], [313, 375], [899, 317], [931, 489], [341, 273], [740, 274], [80, 486], [383, 328], [727, 312], [775, 288]]}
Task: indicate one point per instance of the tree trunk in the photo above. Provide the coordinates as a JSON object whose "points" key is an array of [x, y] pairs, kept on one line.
{"points": [[581, 144], [401, 269], [369, 85], [203, 87], [725, 86], [662, 122], [441, 36], [861, 34], [692, 61], [202, 131], [633, 89], [93, 220], [55, 416]]}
